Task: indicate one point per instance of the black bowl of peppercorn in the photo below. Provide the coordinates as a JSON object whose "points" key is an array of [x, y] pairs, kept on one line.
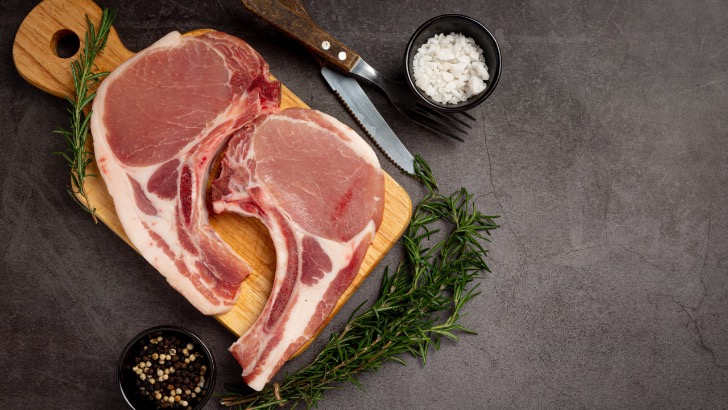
{"points": [[166, 367]]}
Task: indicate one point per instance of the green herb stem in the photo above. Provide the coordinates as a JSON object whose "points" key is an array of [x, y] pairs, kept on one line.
{"points": [[84, 80], [418, 304]]}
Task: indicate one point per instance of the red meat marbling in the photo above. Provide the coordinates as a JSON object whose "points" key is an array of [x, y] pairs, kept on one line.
{"points": [[319, 189], [159, 121]]}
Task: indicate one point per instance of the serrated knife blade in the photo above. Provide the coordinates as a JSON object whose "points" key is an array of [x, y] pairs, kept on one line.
{"points": [[361, 108]]}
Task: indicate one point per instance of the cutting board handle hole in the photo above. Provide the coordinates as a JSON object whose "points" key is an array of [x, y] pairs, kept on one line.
{"points": [[65, 43]]}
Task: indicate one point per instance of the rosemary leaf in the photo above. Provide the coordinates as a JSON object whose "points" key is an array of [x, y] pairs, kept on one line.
{"points": [[84, 79], [419, 303]]}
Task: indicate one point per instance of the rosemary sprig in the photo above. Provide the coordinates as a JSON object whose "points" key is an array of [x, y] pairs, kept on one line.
{"points": [[84, 80], [418, 304]]}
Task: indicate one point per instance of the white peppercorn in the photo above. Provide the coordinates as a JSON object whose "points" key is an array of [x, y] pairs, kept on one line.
{"points": [[177, 384]]}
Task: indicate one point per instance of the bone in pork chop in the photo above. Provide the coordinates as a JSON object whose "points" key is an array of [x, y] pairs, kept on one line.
{"points": [[159, 121], [319, 189]]}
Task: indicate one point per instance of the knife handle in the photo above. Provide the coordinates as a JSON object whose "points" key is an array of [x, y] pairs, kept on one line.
{"points": [[304, 31], [298, 8]]}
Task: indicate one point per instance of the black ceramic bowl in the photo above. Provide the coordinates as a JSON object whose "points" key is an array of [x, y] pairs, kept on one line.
{"points": [[469, 27], [126, 377]]}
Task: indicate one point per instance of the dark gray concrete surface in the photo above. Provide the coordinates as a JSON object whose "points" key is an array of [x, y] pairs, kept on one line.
{"points": [[604, 149]]}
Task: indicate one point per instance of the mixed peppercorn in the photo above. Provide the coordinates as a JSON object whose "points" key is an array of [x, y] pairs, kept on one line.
{"points": [[170, 372]]}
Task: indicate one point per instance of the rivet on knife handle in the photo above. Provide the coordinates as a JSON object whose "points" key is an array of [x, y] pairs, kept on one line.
{"points": [[304, 31]]}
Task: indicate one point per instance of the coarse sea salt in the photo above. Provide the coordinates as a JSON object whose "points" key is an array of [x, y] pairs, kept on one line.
{"points": [[450, 68]]}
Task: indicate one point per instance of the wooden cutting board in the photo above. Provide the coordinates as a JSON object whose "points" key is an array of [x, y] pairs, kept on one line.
{"points": [[36, 59]]}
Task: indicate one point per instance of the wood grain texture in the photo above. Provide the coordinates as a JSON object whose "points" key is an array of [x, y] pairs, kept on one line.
{"points": [[36, 61], [304, 31]]}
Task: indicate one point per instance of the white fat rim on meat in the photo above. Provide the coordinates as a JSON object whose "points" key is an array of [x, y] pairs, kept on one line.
{"points": [[116, 178], [120, 188], [340, 255]]}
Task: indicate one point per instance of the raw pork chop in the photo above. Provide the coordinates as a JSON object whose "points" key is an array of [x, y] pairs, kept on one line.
{"points": [[319, 189], [159, 121]]}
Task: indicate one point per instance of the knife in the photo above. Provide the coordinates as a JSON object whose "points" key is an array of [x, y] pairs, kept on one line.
{"points": [[345, 88], [366, 115], [359, 106]]}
